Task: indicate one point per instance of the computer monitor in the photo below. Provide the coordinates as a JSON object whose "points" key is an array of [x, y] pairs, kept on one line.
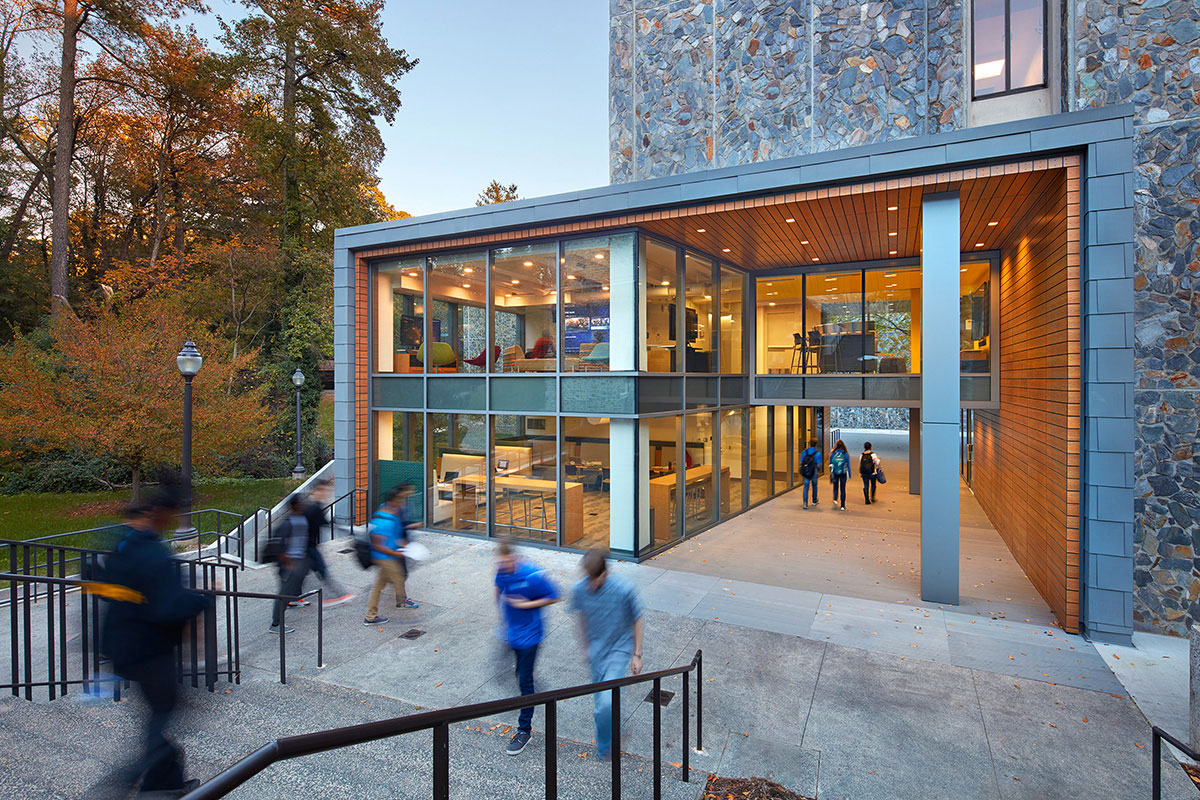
{"points": [[449, 476], [501, 464]]}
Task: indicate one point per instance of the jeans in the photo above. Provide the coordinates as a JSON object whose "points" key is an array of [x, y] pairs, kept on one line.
{"points": [[607, 668], [525, 660], [291, 582], [160, 761], [814, 482], [839, 488], [318, 566], [869, 487]]}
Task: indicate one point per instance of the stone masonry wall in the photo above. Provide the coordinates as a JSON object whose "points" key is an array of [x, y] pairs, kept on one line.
{"points": [[1148, 53]]}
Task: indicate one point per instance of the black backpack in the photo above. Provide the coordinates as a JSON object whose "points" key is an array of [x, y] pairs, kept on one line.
{"points": [[276, 541], [808, 464], [866, 464], [362, 547]]}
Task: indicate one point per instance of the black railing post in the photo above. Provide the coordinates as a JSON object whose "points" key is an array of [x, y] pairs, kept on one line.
{"points": [[1156, 765], [50, 627], [282, 641], [191, 628], [657, 739], [320, 627], [210, 646], [62, 619], [28, 634], [552, 750], [699, 701], [236, 654], [12, 622], [616, 743], [686, 720], [441, 762]]}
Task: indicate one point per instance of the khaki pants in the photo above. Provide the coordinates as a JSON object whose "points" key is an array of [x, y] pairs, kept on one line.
{"points": [[390, 571]]}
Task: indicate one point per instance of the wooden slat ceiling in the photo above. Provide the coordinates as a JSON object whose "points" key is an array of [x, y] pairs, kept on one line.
{"points": [[857, 226]]}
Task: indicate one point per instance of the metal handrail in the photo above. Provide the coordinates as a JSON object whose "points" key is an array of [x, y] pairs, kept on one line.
{"points": [[1157, 735], [289, 747]]}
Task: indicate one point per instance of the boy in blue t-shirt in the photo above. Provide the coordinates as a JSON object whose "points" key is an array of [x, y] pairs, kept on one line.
{"points": [[522, 590]]}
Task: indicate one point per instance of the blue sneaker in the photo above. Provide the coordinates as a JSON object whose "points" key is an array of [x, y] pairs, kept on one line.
{"points": [[375, 621], [408, 603]]}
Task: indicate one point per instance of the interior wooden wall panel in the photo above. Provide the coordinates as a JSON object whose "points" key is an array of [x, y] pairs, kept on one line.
{"points": [[1027, 453]]}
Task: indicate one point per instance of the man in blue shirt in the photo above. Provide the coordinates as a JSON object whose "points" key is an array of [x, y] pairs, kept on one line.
{"points": [[522, 591], [810, 467], [389, 535], [610, 624]]}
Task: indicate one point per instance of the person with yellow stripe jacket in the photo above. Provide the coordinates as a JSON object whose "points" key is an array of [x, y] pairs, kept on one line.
{"points": [[148, 608]]}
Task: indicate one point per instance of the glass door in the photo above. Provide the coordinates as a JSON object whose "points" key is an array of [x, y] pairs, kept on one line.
{"points": [[966, 455]]}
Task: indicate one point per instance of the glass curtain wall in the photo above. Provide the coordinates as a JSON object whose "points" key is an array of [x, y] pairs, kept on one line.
{"points": [[525, 481], [587, 482], [459, 332], [734, 460], [399, 315], [975, 304], [457, 473], [661, 318], [893, 308], [760, 455], [782, 346], [733, 298], [699, 327], [700, 484], [833, 317], [399, 455], [599, 285], [665, 505], [524, 309], [782, 471]]}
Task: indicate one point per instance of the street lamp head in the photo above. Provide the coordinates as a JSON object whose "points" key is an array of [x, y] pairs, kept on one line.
{"points": [[297, 378], [189, 360]]}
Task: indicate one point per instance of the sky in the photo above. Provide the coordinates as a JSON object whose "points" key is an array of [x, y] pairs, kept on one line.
{"points": [[515, 90]]}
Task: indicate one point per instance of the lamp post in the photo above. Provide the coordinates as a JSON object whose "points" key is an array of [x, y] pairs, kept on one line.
{"points": [[189, 362], [298, 381]]}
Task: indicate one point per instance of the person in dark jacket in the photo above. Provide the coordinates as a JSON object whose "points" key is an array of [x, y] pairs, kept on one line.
{"points": [[314, 513], [141, 630]]}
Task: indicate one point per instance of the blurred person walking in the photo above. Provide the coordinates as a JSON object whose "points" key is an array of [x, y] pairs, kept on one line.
{"points": [[868, 468], [148, 610], [839, 471], [810, 466], [314, 514], [288, 548], [609, 616], [389, 535], [522, 591]]}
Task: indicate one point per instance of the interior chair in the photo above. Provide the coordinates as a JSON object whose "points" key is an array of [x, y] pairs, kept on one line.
{"points": [[596, 360], [442, 356], [509, 358], [799, 348], [481, 360]]}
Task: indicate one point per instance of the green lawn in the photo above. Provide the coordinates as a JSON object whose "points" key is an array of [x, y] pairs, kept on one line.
{"points": [[27, 516], [325, 418]]}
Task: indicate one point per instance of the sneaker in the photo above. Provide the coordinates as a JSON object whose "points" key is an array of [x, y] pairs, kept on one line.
{"points": [[286, 629], [337, 601], [185, 788], [375, 621], [806, 505], [298, 603], [408, 603], [518, 743]]}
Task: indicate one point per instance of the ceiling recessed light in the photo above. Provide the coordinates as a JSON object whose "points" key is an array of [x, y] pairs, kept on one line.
{"points": [[771, 304], [562, 261], [816, 259], [979, 244], [466, 286], [514, 281], [770, 284], [964, 269], [891, 252], [529, 263], [605, 288], [828, 279], [708, 297], [891, 286], [700, 230], [889, 274], [892, 208], [804, 241], [665, 283], [599, 256], [508, 294], [770, 294], [468, 270], [724, 249], [891, 233], [570, 277], [993, 223], [412, 275], [790, 219]]}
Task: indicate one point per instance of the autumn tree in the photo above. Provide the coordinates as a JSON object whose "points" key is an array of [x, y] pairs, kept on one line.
{"points": [[496, 192], [109, 386]]}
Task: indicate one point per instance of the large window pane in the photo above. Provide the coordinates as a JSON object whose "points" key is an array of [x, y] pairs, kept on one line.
{"points": [[665, 505], [599, 287], [989, 42], [1027, 26], [780, 319], [734, 459], [781, 473], [399, 314], [661, 290], [525, 459], [894, 311], [760, 454], [457, 472], [700, 485], [698, 322], [524, 309], [587, 482], [975, 307], [459, 335], [399, 456], [837, 335], [733, 298]]}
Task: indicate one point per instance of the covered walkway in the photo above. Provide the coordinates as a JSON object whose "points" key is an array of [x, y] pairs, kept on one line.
{"points": [[869, 552]]}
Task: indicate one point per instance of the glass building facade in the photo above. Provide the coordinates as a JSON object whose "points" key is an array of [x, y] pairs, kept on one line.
{"points": [[615, 391]]}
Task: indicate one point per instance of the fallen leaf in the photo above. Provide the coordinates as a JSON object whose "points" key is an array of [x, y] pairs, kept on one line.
{"points": [[439, 683], [1085, 719]]}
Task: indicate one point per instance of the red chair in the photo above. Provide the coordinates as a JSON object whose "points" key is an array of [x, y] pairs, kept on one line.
{"points": [[481, 359]]}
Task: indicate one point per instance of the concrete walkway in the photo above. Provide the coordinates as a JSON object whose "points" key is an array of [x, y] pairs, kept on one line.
{"points": [[833, 697]]}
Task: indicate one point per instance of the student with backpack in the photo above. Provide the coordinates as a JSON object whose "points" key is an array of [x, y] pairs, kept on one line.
{"points": [[839, 471], [389, 535], [810, 465], [868, 467]]}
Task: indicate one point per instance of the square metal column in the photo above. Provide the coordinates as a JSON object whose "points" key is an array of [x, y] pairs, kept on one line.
{"points": [[940, 406]]}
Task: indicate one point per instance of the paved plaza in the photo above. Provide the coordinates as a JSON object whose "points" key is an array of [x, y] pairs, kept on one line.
{"points": [[832, 696]]}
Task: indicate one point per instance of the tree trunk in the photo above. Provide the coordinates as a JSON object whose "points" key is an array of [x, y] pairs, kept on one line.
{"points": [[135, 486], [60, 231], [10, 241], [290, 189]]}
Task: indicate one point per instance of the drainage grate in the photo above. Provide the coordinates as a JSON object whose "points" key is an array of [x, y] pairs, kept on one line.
{"points": [[347, 550], [412, 634], [664, 697]]}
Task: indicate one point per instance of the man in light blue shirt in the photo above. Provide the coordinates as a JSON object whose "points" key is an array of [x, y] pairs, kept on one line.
{"points": [[610, 623]]}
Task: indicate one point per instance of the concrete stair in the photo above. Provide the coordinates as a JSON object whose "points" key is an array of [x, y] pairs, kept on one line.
{"points": [[63, 748]]}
